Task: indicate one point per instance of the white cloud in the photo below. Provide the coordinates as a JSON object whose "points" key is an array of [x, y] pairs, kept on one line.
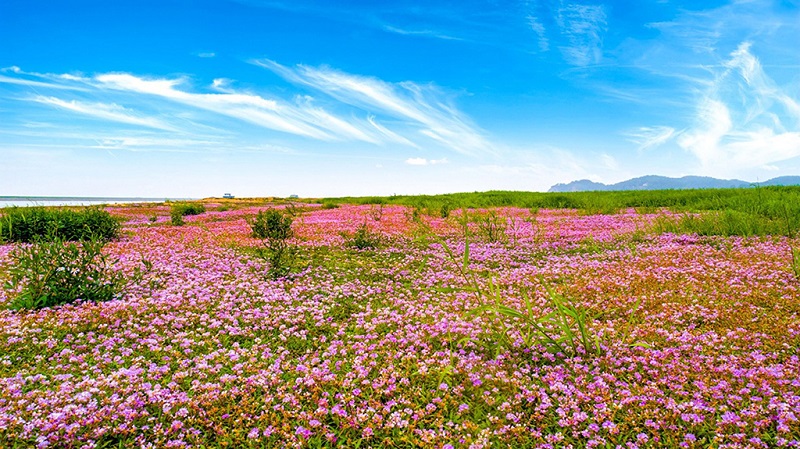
{"points": [[743, 120], [424, 107], [221, 85], [257, 110], [134, 142], [353, 108], [423, 161], [417, 161], [206, 54], [104, 111]]}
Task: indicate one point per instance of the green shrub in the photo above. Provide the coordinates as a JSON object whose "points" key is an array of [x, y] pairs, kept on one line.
{"points": [[180, 210], [176, 217], [275, 230], [53, 272], [272, 224], [28, 224], [189, 208], [329, 205]]}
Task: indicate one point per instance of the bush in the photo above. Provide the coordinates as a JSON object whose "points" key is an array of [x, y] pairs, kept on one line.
{"points": [[29, 224], [176, 217], [189, 208], [180, 210], [273, 225], [275, 229], [54, 272]]}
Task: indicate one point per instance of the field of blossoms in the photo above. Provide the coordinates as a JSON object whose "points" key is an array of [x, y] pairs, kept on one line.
{"points": [[699, 338]]}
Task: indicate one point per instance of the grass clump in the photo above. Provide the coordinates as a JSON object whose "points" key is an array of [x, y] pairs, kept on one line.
{"points": [[492, 227], [274, 228], [29, 224], [564, 332], [53, 271]]}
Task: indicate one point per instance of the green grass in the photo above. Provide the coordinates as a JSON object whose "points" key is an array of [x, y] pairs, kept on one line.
{"points": [[725, 223], [679, 200], [773, 210]]}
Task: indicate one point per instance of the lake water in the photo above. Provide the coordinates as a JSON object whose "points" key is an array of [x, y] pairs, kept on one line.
{"points": [[71, 201]]}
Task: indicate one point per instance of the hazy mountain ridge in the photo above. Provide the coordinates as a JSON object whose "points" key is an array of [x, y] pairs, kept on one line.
{"points": [[653, 182]]}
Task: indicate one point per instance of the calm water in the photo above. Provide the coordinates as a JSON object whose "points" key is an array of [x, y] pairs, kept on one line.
{"points": [[67, 201]]}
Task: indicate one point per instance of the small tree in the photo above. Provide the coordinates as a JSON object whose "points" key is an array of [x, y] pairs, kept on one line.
{"points": [[275, 230]]}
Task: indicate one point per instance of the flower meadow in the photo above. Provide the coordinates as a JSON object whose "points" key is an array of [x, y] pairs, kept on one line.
{"points": [[699, 337]]}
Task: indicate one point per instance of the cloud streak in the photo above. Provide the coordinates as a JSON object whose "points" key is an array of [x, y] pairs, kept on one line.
{"points": [[112, 112], [651, 136], [422, 107], [343, 107]]}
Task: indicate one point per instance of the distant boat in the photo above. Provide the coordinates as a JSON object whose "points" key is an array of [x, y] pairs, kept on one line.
{"points": [[228, 196]]}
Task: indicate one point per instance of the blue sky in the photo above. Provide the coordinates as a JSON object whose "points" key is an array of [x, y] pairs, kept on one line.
{"points": [[317, 98]]}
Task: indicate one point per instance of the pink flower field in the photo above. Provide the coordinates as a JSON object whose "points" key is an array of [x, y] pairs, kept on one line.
{"points": [[695, 341]]}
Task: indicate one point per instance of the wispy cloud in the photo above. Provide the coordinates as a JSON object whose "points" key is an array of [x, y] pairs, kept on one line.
{"points": [[39, 80], [353, 108], [139, 142], [420, 32], [104, 111], [268, 113], [538, 28], [744, 119], [647, 137], [583, 26], [420, 106]]}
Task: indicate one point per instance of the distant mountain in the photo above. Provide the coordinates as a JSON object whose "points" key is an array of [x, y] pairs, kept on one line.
{"points": [[782, 181], [582, 185], [653, 182]]}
